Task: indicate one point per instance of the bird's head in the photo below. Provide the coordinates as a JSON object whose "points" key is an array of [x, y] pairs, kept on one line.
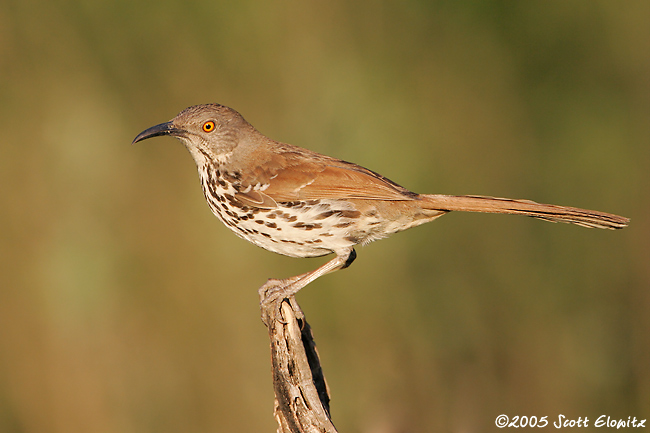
{"points": [[208, 131]]}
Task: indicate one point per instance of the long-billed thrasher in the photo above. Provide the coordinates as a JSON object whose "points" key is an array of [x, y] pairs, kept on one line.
{"points": [[299, 203]]}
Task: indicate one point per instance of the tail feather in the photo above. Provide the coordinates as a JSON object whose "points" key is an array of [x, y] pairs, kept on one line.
{"points": [[548, 212]]}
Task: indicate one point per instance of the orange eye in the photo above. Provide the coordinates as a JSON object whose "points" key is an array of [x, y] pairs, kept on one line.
{"points": [[208, 126]]}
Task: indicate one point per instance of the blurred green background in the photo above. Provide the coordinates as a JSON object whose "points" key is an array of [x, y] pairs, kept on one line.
{"points": [[125, 306]]}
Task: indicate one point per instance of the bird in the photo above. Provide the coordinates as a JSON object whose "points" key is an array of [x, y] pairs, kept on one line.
{"points": [[299, 203]]}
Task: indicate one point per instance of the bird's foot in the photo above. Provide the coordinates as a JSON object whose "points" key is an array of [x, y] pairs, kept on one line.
{"points": [[272, 294], [272, 291]]}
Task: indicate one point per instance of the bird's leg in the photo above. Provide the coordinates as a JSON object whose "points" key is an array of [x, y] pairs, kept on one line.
{"points": [[273, 288]]}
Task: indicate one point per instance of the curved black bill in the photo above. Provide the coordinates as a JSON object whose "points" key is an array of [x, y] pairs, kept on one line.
{"points": [[166, 128]]}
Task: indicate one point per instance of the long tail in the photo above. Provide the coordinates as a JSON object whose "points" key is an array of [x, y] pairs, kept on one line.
{"points": [[548, 212]]}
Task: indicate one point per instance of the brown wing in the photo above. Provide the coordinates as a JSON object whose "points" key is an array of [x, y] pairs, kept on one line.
{"points": [[298, 175]]}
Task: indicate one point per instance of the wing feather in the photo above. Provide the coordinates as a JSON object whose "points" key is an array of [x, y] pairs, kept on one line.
{"points": [[299, 174], [333, 181]]}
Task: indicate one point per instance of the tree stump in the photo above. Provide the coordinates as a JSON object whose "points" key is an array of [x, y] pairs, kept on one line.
{"points": [[301, 393]]}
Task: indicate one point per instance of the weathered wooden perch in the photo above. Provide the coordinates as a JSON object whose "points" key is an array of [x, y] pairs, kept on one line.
{"points": [[301, 394]]}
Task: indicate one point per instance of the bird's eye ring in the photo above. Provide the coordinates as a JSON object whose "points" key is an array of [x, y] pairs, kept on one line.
{"points": [[208, 126]]}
